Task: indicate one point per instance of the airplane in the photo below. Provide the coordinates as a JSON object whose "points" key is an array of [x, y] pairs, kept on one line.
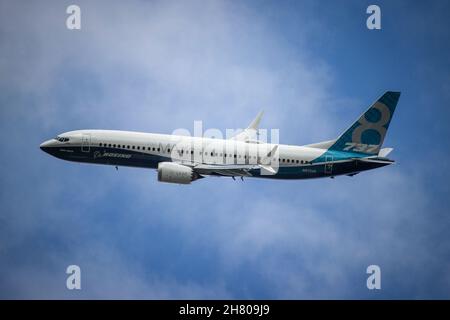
{"points": [[183, 159]]}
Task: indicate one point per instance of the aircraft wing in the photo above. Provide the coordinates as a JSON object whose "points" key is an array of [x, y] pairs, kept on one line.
{"points": [[384, 152], [232, 170], [237, 170], [226, 170]]}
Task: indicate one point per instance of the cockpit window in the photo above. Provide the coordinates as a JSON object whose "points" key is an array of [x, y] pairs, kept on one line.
{"points": [[61, 139]]}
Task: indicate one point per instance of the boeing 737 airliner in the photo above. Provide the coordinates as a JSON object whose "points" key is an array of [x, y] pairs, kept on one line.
{"points": [[182, 159]]}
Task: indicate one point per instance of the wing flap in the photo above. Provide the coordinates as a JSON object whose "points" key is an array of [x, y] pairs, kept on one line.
{"points": [[226, 170]]}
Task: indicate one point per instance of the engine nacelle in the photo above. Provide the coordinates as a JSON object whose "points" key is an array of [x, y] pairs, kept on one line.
{"points": [[176, 173]]}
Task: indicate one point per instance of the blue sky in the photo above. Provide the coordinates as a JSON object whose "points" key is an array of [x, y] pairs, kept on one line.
{"points": [[158, 66]]}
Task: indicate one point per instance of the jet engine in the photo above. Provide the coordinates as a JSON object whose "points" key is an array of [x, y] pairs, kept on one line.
{"points": [[176, 173]]}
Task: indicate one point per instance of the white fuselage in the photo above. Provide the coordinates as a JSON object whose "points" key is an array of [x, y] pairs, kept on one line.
{"points": [[182, 159], [187, 149]]}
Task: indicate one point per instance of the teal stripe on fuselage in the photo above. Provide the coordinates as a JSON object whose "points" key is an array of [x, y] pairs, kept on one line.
{"points": [[333, 155]]}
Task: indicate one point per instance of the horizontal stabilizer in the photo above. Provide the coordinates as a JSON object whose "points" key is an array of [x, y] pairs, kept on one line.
{"points": [[321, 145], [375, 160], [384, 152]]}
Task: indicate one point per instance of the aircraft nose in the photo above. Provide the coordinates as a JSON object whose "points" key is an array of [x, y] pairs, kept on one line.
{"points": [[45, 146]]}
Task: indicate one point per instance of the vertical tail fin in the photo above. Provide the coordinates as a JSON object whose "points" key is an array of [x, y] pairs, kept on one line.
{"points": [[367, 134]]}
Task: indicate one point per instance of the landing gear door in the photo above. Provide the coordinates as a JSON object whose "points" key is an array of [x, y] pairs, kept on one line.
{"points": [[85, 142], [328, 164]]}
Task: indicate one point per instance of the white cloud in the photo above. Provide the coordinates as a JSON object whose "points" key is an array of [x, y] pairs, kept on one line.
{"points": [[162, 65]]}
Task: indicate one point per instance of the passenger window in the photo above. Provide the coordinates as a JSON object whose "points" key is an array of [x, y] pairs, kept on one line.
{"points": [[158, 149], [133, 147], [168, 150]]}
